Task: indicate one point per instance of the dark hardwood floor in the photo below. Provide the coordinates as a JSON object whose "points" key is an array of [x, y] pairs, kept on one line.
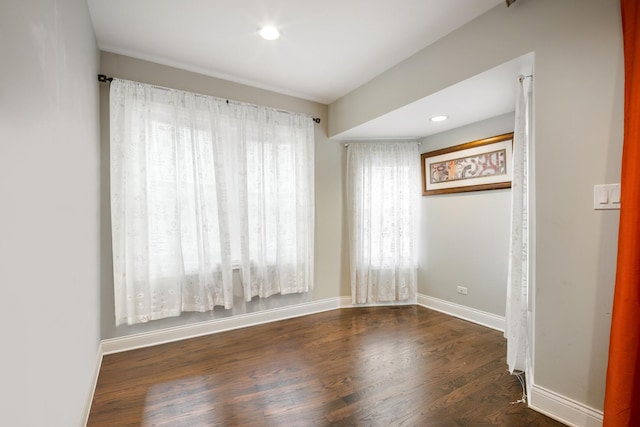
{"points": [[380, 366]]}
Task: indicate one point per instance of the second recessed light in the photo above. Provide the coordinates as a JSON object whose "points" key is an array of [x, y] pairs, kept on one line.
{"points": [[439, 118], [269, 32]]}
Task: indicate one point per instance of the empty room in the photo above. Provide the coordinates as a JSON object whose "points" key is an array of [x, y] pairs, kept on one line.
{"points": [[291, 213]]}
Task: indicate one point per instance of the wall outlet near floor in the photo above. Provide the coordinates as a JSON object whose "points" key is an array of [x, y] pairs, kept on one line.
{"points": [[462, 290]]}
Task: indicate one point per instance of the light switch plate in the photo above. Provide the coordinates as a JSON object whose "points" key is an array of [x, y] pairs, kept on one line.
{"points": [[606, 196]]}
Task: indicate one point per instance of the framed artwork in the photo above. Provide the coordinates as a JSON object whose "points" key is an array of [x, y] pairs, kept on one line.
{"points": [[485, 164]]}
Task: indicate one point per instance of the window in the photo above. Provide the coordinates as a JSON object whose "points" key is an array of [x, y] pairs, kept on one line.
{"points": [[200, 185], [383, 195]]}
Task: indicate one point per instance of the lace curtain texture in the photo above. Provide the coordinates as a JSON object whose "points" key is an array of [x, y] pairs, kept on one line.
{"points": [[518, 311], [200, 186], [383, 193]]}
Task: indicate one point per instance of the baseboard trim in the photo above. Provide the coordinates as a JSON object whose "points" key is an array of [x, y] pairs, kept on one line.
{"points": [[483, 318], [563, 409], [132, 342], [345, 302], [92, 387]]}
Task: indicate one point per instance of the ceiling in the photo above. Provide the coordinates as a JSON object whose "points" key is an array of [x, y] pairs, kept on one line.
{"points": [[488, 94], [327, 48]]}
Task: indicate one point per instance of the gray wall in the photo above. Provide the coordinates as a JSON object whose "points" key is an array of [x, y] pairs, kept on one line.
{"points": [[578, 138], [328, 237], [49, 240], [464, 238]]}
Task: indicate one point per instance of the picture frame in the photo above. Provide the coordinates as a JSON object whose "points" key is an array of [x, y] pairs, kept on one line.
{"points": [[484, 164]]}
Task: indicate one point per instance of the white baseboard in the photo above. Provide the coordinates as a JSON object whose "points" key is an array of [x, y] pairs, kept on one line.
{"points": [[131, 342], [483, 318], [563, 409], [345, 302], [92, 387]]}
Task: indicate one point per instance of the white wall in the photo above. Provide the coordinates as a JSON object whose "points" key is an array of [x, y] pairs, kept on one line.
{"points": [[464, 238], [49, 240], [328, 237], [578, 138]]}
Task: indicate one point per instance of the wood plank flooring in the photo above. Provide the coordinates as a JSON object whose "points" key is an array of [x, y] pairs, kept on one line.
{"points": [[380, 366]]}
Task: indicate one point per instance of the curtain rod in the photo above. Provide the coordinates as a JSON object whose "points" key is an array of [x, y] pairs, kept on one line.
{"points": [[380, 140], [104, 79]]}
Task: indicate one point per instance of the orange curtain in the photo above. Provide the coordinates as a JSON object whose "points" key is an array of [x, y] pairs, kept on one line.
{"points": [[622, 398]]}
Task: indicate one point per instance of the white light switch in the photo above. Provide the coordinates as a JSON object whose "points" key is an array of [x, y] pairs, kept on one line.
{"points": [[603, 197], [606, 196], [615, 195]]}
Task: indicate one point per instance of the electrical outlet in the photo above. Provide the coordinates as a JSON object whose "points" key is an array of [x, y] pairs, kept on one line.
{"points": [[462, 290]]}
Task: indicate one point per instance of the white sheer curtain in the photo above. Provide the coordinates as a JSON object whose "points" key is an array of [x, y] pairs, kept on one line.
{"points": [[195, 190], [383, 193], [518, 313], [276, 202]]}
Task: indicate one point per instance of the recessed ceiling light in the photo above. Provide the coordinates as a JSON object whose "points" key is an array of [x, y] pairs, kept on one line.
{"points": [[439, 118], [269, 32]]}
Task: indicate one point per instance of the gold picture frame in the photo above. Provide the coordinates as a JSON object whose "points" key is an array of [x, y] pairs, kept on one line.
{"points": [[484, 164]]}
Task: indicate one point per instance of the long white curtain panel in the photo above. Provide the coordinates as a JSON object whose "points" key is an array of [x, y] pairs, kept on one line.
{"points": [[200, 186], [518, 306], [383, 194]]}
